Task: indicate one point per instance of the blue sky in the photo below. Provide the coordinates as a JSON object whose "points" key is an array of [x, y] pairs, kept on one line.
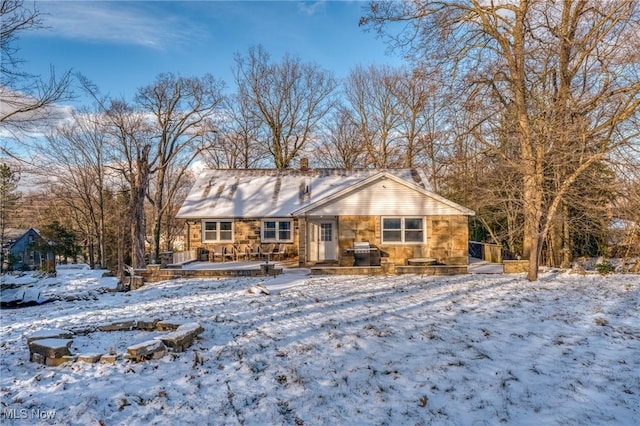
{"points": [[123, 45]]}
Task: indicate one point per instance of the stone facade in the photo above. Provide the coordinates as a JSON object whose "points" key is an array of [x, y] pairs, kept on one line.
{"points": [[245, 231], [515, 266], [447, 239], [302, 242], [354, 229]]}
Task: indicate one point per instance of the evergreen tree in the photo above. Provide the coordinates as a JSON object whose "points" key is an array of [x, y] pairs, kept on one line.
{"points": [[64, 240], [9, 197]]}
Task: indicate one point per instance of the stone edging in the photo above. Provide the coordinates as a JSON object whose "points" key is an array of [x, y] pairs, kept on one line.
{"points": [[51, 347]]}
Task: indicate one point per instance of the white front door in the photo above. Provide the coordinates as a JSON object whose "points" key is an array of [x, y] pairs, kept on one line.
{"points": [[322, 240]]}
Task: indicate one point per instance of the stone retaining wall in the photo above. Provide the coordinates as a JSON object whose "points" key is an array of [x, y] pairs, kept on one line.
{"points": [[154, 273], [433, 270], [347, 270], [515, 266], [390, 269]]}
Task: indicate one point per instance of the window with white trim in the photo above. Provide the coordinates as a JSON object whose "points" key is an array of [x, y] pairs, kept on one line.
{"points": [[277, 230], [217, 231], [408, 230]]}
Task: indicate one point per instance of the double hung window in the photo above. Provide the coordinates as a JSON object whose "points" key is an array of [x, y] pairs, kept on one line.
{"points": [[409, 230], [277, 230], [217, 230]]}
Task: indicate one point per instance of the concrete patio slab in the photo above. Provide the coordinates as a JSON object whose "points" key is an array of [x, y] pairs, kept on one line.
{"points": [[479, 266]]}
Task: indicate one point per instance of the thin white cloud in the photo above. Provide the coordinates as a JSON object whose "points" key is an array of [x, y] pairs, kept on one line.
{"points": [[131, 23], [30, 122], [311, 8]]}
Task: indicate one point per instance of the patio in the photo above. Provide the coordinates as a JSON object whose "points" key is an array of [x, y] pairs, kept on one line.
{"points": [[205, 269], [476, 266], [239, 265], [260, 268]]}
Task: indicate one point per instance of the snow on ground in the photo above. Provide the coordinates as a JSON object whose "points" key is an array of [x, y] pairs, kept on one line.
{"points": [[461, 350], [70, 282]]}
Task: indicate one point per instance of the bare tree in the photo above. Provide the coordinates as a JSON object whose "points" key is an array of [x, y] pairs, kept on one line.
{"points": [[289, 98], [25, 100], [341, 143], [566, 71], [478, 178], [423, 109], [130, 139], [625, 214], [171, 226], [76, 155], [233, 142], [152, 145], [372, 94], [180, 107]]}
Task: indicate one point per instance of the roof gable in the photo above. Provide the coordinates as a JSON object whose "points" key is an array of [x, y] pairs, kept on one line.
{"points": [[23, 238], [384, 194]]}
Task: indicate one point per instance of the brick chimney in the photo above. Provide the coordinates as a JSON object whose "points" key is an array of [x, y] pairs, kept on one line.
{"points": [[304, 164]]}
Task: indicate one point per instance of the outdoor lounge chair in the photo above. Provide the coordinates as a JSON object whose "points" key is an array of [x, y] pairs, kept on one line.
{"points": [[230, 252], [242, 252], [218, 251], [267, 251], [280, 252], [254, 251]]}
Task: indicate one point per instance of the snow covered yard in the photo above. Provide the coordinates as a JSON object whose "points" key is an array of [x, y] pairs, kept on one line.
{"points": [[462, 350]]}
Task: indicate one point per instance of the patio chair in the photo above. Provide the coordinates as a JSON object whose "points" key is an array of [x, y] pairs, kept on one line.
{"points": [[218, 251], [280, 252], [242, 251], [267, 251], [254, 251], [230, 252]]}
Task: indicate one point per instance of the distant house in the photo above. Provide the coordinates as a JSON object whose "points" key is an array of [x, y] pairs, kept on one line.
{"points": [[26, 249], [319, 215]]}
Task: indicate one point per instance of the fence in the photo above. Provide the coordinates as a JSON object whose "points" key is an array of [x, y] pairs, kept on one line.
{"points": [[485, 251]]}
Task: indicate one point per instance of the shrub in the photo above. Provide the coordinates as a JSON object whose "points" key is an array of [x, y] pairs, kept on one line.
{"points": [[49, 267], [605, 267]]}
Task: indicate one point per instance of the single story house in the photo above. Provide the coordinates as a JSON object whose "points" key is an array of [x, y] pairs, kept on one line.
{"points": [[25, 249], [319, 214]]}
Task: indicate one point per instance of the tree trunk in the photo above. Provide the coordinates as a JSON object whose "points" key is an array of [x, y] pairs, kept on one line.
{"points": [[92, 261], [156, 238], [137, 198], [102, 242], [555, 241], [531, 240], [566, 248], [138, 230], [158, 206], [533, 176], [121, 248]]}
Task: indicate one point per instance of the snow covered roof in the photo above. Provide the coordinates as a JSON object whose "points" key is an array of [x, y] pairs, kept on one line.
{"points": [[12, 235], [260, 193]]}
